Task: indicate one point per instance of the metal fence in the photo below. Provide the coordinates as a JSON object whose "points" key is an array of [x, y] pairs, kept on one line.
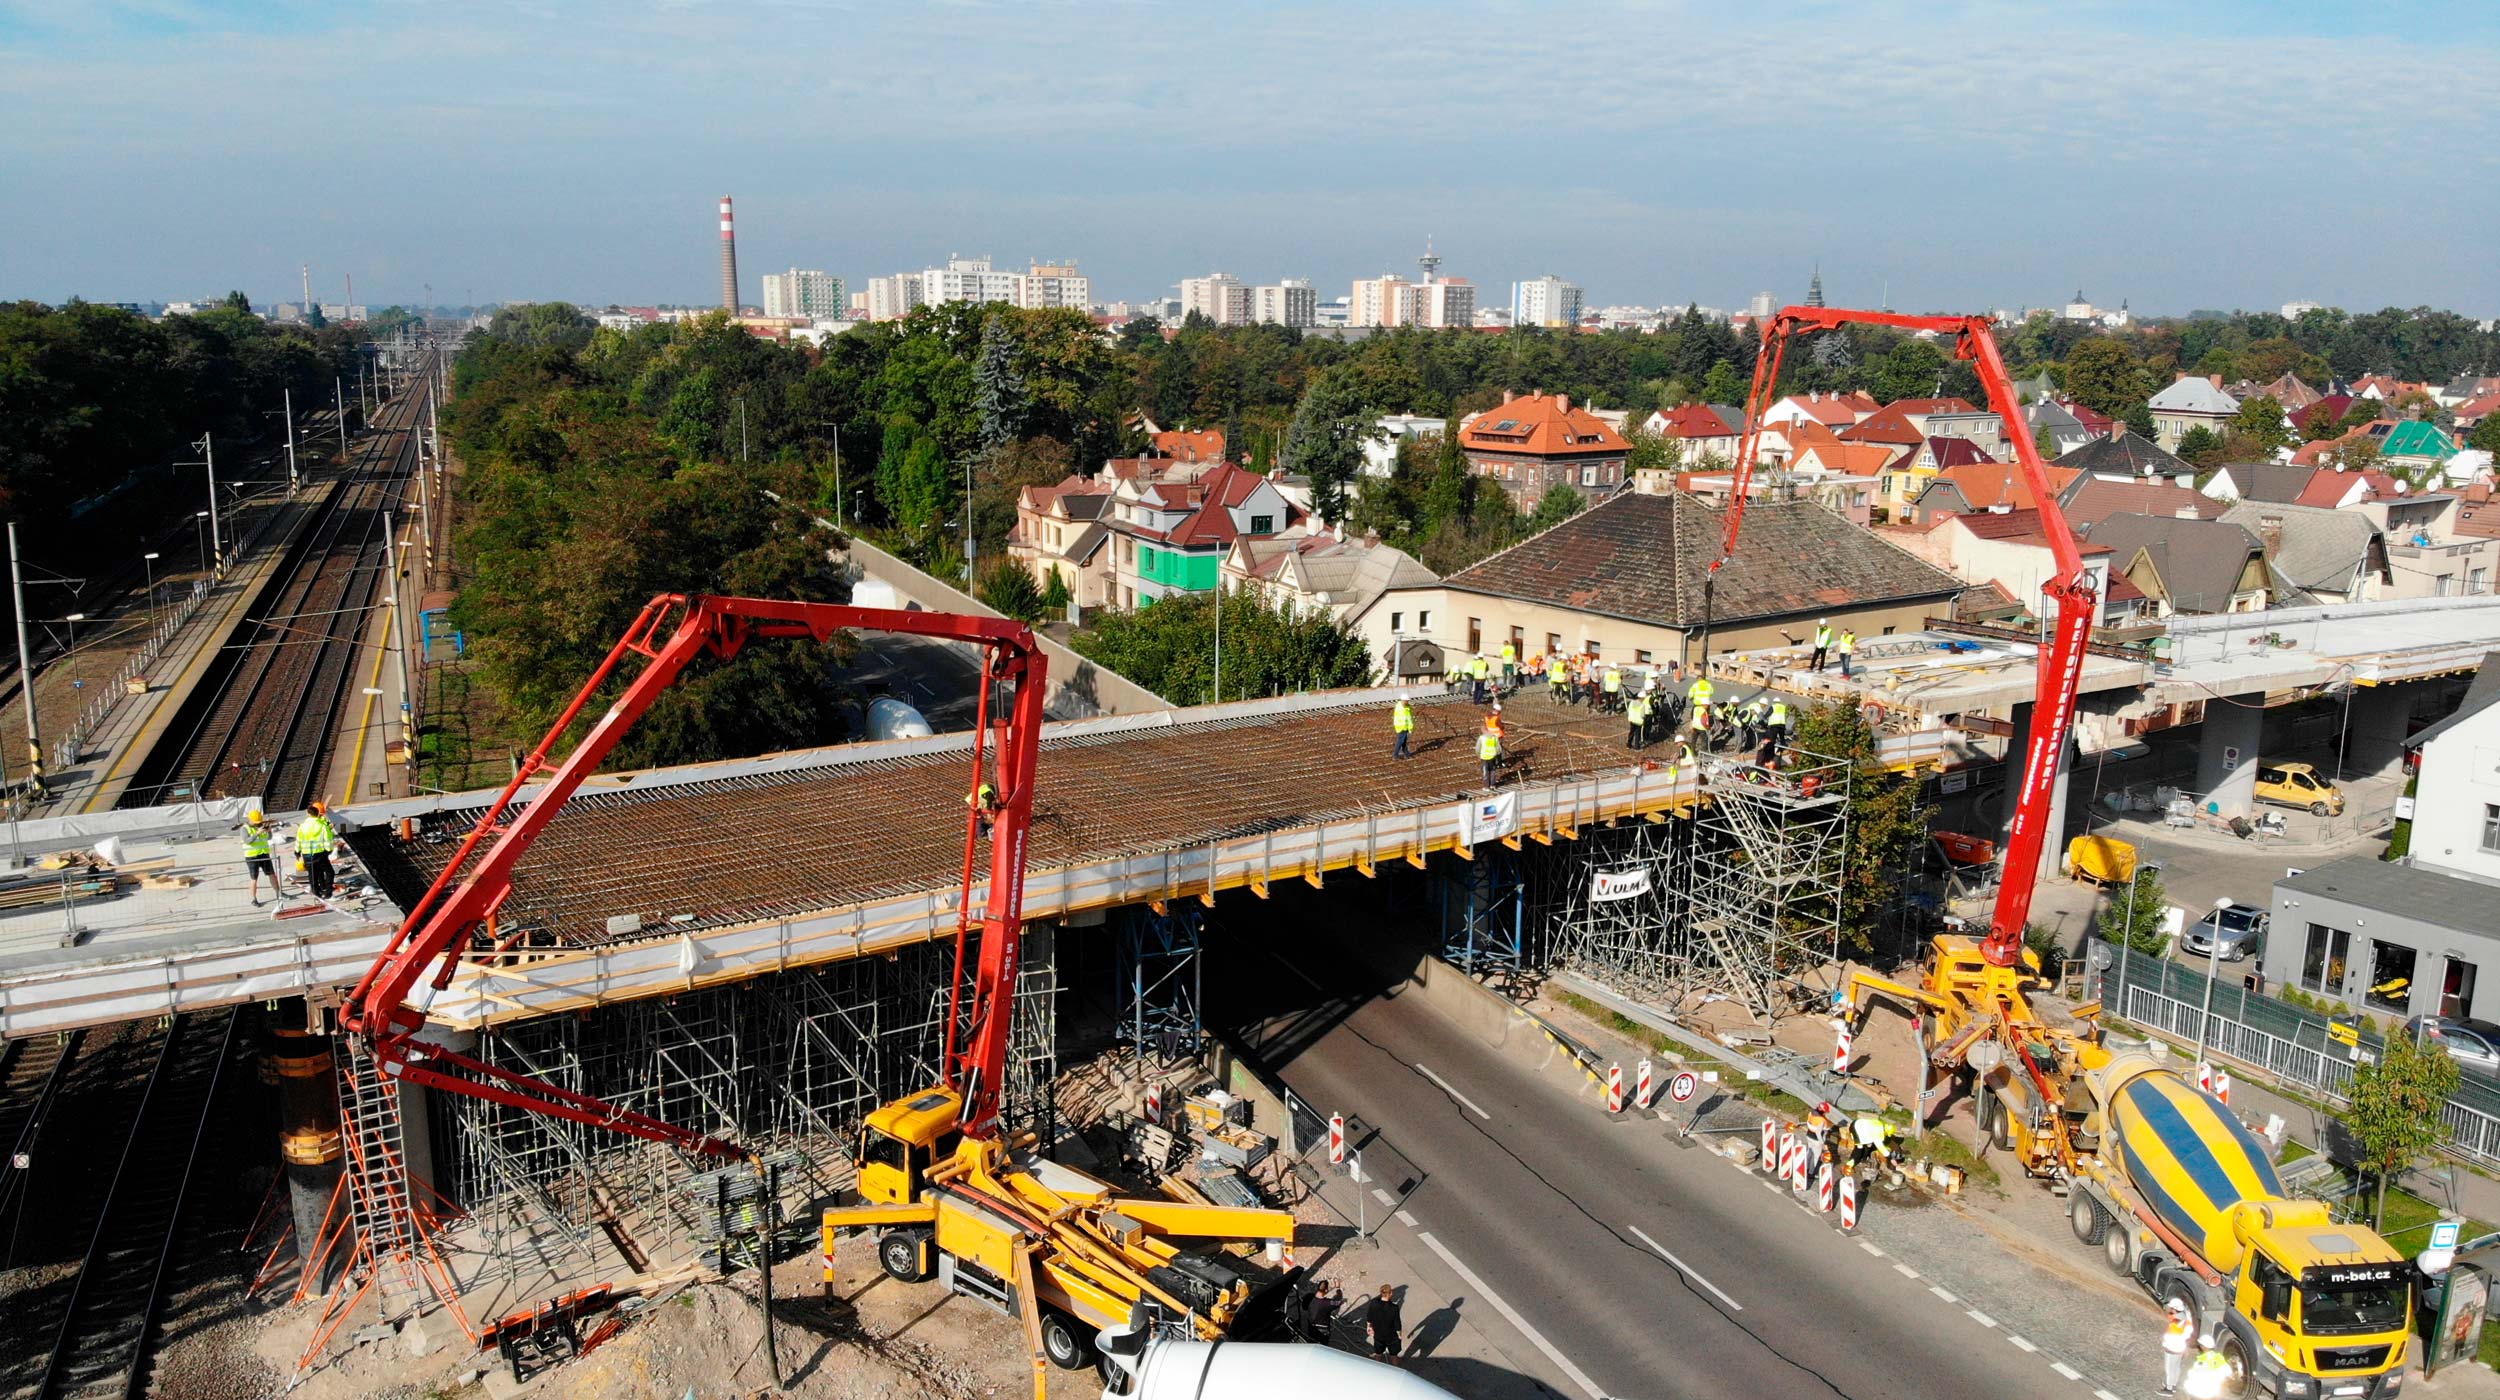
{"points": [[2288, 1043]]}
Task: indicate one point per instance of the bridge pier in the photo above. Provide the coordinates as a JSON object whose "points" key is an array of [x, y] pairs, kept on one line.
{"points": [[2227, 754], [1159, 977]]}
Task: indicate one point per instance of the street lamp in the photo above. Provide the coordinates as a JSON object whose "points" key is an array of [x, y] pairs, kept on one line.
{"points": [[149, 559], [199, 521], [2213, 955], [73, 620]]}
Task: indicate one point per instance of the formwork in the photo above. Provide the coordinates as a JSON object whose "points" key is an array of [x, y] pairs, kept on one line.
{"points": [[1735, 899], [785, 1065]]}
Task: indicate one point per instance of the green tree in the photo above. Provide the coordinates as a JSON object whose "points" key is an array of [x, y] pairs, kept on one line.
{"points": [[1555, 507], [2139, 419], [1725, 385], [1912, 369], [1056, 597], [1325, 442], [1008, 586], [2394, 1108], [2260, 421], [1886, 820], [2102, 374], [2201, 446], [2138, 920], [998, 386], [2486, 434], [2044, 444], [1170, 648]]}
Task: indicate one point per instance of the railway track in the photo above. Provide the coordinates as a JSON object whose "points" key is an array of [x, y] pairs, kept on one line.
{"points": [[106, 1319], [32, 1072], [269, 726]]}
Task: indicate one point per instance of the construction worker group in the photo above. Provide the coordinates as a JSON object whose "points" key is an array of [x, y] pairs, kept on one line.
{"points": [[315, 839]]}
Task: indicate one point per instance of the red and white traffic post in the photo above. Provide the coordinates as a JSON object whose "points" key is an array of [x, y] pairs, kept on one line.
{"points": [[1770, 1146], [1614, 1088], [1643, 1089], [1336, 1139], [1849, 1203], [1154, 1104], [1824, 1185], [1840, 1047], [2222, 1086]]}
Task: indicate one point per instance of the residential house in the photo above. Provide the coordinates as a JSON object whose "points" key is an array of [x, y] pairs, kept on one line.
{"points": [[1388, 434], [2007, 548], [2065, 431], [1904, 423], [1985, 486], [2386, 388], [2122, 456], [1060, 530], [2465, 389], [2322, 414], [2416, 449], [1697, 433], [1978, 425], [1171, 530], [2332, 556], [2471, 412], [2095, 499], [1833, 411], [1533, 443], [2456, 792], [2187, 566], [1183, 445], [1623, 579], [2286, 389], [1327, 573], [2296, 483], [2192, 401]]}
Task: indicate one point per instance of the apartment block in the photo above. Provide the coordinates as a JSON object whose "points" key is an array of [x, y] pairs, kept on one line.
{"points": [[802, 293]]}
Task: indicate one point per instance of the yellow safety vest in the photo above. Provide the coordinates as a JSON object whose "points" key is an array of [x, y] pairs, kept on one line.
{"points": [[1402, 719], [981, 796], [1684, 756], [1488, 746], [1637, 711], [1558, 669], [256, 840], [1510, 653], [314, 837], [1779, 713], [1822, 636], [1479, 668], [1848, 642], [1699, 691], [1614, 681]]}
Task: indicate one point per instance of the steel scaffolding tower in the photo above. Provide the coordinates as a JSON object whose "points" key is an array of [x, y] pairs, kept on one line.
{"points": [[789, 1062], [1159, 978], [1735, 899], [1484, 913]]}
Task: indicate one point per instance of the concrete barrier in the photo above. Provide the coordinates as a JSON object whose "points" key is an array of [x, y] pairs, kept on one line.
{"points": [[1078, 687]]}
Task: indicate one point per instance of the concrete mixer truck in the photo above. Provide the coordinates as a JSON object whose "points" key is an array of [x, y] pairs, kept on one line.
{"points": [[2182, 1198], [1140, 1365]]}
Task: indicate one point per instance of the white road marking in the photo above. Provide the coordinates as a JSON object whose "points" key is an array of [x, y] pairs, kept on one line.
{"points": [[1552, 1352], [1406, 1217], [1463, 1101], [1941, 1293], [1383, 1197], [1984, 1320], [1685, 1269], [1905, 1271], [2065, 1370], [1869, 1247], [2103, 1395]]}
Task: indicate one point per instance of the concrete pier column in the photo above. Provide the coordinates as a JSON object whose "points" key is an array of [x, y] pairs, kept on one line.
{"points": [[2375, 733], [2226, 756], [308, 1138]]}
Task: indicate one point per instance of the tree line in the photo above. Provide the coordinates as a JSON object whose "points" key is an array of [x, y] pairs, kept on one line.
{"points": [[91, 396]]}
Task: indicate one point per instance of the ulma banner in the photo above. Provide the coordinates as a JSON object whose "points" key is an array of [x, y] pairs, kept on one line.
{"points": [[1606, 885]]}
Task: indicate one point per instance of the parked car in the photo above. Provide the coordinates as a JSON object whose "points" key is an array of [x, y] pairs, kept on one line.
{"points": [[2298, 785], [2231, 933], [2473, 1044]]}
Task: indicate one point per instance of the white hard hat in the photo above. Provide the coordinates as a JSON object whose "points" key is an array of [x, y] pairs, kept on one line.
{"points": [[2178, 1306], [1402, 695]]}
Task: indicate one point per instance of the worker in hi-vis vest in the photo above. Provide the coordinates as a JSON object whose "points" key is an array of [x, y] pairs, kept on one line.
{"points": [[1510, 664], [1489, 752], [1402, 719], [315, 838], [1612, 684], [256, 858], [1479, 668], [1822, 642], [1558, 676], [1848, 649]]}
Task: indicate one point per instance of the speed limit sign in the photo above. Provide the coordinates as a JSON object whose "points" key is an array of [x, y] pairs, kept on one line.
{"points": [[1681, 1088]]}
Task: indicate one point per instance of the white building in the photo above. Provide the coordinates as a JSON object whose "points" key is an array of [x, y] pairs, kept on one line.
{"points": [[893, 298], [1377, 301], [1380, 446], [1218, 296], [2456, 801], [1441, 303], [1544, 301], [1292, 302], [2294, 310], [1054, 284], [802, 293], [967, 279]]}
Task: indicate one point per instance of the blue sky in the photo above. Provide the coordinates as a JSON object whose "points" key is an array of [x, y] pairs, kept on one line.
{"points": [[1956, 155]]}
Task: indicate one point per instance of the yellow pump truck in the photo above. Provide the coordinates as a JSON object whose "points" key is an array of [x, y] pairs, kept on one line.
{"points": [[998, 1222]]}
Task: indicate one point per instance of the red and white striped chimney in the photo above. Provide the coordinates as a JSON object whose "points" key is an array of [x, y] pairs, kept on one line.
{"points": [[728, 259]]}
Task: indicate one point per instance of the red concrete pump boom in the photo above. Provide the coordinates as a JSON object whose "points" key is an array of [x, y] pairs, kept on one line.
{"points": [[2071, 591], [672, 631]]}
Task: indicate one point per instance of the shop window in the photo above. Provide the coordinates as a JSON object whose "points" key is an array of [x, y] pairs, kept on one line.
{"points": [[2391, 978], [2322, 969]]}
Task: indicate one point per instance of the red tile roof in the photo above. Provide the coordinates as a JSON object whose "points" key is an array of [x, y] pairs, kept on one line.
{"points": [[1695, 420], [1182, 445], [1989, 484], [1834, 410], [1541, 425], [1893, 422], [1956, 452], [2093, 420], [2019, 526]]}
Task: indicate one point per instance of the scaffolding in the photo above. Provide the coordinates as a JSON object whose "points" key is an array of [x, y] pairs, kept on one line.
{"points": [[1159, 978], [1484, 914], [785, 1064], [1735, 899]]}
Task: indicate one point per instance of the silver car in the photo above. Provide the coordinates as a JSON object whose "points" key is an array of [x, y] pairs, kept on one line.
{"points": [[2230, 933], [2474, 1044]]}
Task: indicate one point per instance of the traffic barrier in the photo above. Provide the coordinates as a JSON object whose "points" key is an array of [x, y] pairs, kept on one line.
{"points": [[1643, 1088], [1336, 1139], [1849, 1202], [1788, 1154], [1803, 1174], [1823, 1189], [1770, 1145], [1154, 1103], [1840, 1049], [2222, 1086], [1614, 1088], [2205, 1076]]}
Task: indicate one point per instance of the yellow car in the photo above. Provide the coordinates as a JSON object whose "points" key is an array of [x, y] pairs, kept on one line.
{"points": [[2298, 785]]}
